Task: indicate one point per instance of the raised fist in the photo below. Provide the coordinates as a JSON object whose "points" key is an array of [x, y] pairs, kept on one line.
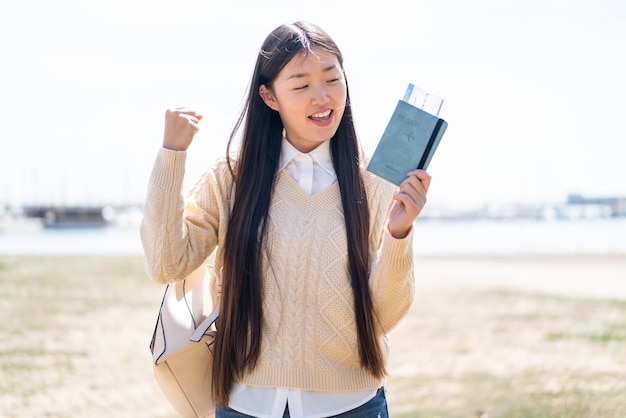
{"points": [[181, 124]]}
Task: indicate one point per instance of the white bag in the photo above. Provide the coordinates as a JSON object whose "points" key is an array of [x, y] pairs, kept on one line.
{"points": [[182, 346]]}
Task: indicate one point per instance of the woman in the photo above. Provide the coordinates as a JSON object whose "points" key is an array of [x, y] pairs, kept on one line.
{"points": [[314, 261]]}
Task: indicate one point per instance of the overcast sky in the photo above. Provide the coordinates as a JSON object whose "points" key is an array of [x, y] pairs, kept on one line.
{"points": [[533, 91]]}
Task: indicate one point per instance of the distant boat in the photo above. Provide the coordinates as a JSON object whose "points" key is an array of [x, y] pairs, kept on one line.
{"points": [[71, 216]]}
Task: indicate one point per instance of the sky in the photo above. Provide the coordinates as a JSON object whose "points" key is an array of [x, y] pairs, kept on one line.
{"points": [[533, 91]]}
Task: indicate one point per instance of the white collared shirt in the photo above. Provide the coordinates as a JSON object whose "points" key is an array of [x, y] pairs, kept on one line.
{"points": [[314, 172]]}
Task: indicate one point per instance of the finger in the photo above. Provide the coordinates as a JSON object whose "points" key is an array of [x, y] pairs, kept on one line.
{"points": [[193, 123], [186, 109], [412, 206], [410, 196], [415, 192], [412, 185], [178, 111], [415, 188], [422, 176], [183, 119], [193, 119]]}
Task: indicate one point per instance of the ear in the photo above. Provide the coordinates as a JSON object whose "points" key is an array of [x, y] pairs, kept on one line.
{"points": [[268, 97]]}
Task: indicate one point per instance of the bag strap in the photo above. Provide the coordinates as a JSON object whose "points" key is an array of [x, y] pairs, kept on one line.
{"points": [[158, 321], [204, 325]]}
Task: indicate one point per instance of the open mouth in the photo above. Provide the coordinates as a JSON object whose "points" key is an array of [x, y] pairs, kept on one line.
{"points": [[321, 115]]}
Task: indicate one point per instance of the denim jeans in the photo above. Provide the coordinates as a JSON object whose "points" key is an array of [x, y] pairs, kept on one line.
{"points": [[374, 408]]}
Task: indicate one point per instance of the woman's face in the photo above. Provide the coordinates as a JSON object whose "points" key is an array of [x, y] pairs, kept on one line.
{"points": [[310, 95]]}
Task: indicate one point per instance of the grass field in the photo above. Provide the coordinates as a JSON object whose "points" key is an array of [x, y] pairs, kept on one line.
{"points": [[75, 333]]}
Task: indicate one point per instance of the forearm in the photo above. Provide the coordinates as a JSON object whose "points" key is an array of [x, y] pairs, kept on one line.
{"points": [[170, 245], [392, 281]]}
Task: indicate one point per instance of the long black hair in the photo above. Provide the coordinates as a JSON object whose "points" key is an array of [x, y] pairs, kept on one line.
{"points": [[239, 328]]}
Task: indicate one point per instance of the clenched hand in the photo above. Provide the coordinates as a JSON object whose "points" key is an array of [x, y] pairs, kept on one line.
{"points": [[181, 124]]}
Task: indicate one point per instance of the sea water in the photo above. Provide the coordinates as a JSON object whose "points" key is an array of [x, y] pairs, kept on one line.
{"points": [[431, 237]]}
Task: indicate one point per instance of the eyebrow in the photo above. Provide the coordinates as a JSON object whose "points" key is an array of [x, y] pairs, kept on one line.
{"points": [[300, 75]]}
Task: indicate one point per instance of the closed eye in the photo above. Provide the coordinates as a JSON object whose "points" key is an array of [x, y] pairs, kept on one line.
{"points": [[301, 87]]}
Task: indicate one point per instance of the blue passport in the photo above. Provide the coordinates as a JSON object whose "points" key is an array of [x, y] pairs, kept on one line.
{"points": [[408, 142]]}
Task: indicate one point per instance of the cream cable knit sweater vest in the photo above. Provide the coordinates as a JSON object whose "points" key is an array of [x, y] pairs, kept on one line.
{"points": [[309, 335]]}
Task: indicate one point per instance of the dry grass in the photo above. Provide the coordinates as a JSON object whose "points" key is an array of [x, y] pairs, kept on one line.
{"points": [[74, 340]]}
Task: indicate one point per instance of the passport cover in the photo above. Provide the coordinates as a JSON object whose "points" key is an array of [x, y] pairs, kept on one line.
{"points": [[408, 142]]}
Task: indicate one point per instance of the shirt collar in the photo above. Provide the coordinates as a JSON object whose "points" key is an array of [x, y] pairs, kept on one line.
{"points": [[320, 155]]}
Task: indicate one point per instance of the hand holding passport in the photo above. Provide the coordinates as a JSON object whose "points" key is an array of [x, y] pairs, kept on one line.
{"points": [[410, 138]]}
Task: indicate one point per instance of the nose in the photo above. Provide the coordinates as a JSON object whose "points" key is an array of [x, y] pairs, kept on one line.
{"points": [[320, 95]]}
